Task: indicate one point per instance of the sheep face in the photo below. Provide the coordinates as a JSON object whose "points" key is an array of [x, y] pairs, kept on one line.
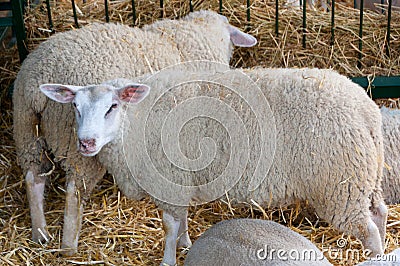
{"points": [[98, 110]]}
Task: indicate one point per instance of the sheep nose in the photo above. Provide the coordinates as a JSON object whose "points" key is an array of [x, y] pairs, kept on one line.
{"points": [[87, 144]]}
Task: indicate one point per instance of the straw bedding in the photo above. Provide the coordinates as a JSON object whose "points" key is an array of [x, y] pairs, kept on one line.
{"points": [[119, 231]]}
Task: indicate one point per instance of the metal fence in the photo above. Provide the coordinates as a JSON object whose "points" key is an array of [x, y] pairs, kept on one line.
{"points": [[382, 87], [16, 21]]}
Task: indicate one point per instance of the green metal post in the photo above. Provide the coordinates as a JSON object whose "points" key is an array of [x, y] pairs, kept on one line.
{"points": [[18, 22], [220, 6], [134, 12], [388, 28], [360, 34], [161, 8], [304, 23], [48, 7], [333, 23], [248, 11], [381, 87], [75, 15], [191, 5], [276, 18], [106, 10]]}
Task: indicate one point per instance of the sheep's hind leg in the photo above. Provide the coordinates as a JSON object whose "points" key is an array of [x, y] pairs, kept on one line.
{"points": [[361, 225], [364, 228], [379, 217], [35, 186], [372, 239]]}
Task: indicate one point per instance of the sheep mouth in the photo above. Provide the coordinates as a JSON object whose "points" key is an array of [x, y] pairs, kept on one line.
{"points": [[88, 146], [88, 153]]}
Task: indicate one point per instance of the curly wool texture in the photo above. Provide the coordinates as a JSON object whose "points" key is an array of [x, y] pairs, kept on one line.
{"points": [[90, 55], [187, 34], [391, 174], [329, 144], [329, 147], [238, 241], [78, 57], [94, 54]]}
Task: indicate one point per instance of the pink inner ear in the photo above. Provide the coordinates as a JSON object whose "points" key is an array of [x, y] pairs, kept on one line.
{"points": [[58, 93], [240, 38], [64, 94], [133, 93]]}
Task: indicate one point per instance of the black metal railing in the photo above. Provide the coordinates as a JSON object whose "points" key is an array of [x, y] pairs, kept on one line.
{"points": [[380, 81], [16, 21]]}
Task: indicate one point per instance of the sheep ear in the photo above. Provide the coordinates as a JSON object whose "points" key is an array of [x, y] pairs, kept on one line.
{"points": [[133, 93], [60, 93], [241, 39]]}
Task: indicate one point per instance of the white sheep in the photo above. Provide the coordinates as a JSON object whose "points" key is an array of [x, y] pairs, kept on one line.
{"points": [[44, 131], [391, 174], [261, 242], [329, 148], [186, 31], [253, 242]]}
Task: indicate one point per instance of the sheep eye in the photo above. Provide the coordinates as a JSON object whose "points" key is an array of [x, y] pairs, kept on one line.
{"points": [[76, 109], [113, 106]]}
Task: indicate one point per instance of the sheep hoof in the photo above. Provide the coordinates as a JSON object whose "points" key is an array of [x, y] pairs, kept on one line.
{"points": [[68, 251], [166, 264], [184, 242], [40, 236], [185, 250]]}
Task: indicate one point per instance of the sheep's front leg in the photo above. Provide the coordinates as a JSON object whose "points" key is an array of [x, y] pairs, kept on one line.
{"points": [[72, 219], [35, 185], [79, 186], [171, 228]]}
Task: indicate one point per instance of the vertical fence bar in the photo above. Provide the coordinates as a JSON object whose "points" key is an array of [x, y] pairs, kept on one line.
{"points": [[276, 18], [248, 11], [360, 34], [190, 5], [19, 27], [74, 11], [333, 23], [220, 6], [304, 23], [133, 13], [388, 28], [51, 26], [106, 10], [161, 8]]}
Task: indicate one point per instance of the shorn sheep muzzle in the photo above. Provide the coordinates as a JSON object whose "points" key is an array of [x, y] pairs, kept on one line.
{"points": [[87, 147]]}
